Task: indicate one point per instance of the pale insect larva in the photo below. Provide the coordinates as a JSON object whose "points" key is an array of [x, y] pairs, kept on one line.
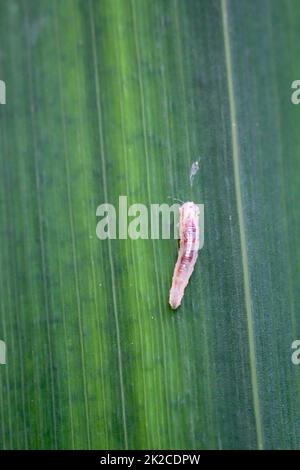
{"points": [[188, 251]]}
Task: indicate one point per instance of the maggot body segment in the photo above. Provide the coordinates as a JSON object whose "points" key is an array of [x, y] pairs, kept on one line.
{"points": [[188, 251]]}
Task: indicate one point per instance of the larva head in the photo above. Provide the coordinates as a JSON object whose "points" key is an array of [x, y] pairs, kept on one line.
{"points": [[189, 210]]}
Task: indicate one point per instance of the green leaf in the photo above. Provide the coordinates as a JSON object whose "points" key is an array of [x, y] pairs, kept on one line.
{"points": [[119, 97]]}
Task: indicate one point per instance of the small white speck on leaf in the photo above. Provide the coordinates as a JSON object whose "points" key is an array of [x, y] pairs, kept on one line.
{"points": [[194, 170]]}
